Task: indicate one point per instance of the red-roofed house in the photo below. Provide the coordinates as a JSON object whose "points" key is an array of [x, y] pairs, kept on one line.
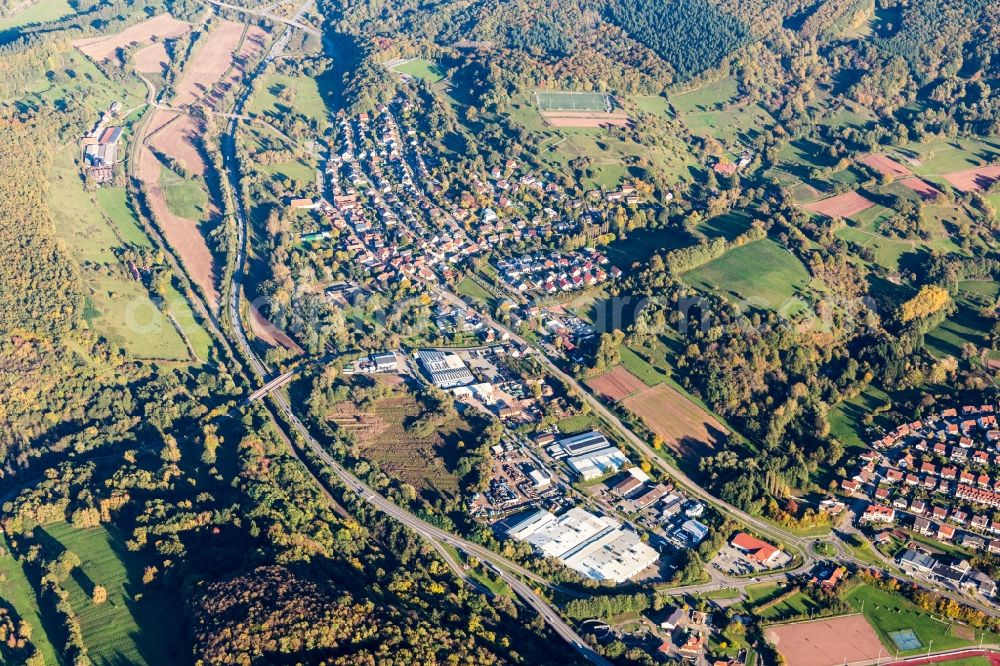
{"points": [[756, 550]]}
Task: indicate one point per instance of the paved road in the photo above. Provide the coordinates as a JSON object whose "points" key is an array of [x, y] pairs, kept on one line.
{"points": [[292, 22]]}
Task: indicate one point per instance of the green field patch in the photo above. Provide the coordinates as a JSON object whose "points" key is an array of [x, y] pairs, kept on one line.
{"points": [[471, 288], [186, 197], [609, 159], [117, 307], [655, 104], [948, 155], [420, 68], [796, 605], [114, 203], [295, 171], [642, 244], [120, 630], [579, 423], [728, 225], [638, 366], [17, 592], [40, 11], [846, 419], [278, 94], [966, 326], [743, 123], [707, 97], [72, 80], [888, 612], [805, 152], [762, 273], [987, 289]]}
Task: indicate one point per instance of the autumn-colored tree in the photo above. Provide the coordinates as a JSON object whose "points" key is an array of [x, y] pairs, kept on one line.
{"points": [[930, 299]]}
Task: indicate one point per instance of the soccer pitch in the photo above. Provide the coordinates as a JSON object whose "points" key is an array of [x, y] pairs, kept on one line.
{"points": [[573, 101]]}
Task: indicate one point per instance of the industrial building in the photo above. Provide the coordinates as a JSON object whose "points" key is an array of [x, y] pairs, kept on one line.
{"points": [[445, 370], [586, 442], [598, 463], [595, 546]]}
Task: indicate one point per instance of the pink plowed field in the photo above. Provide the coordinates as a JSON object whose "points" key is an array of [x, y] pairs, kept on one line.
{"points": [[617, 384], [842, 205], [886, 165], [684, 426], [584, 118], [162, 26], [177, 135], [151, 59], [926, 191], [830, 642], [183, 235], [216, 65], [973, 180]]}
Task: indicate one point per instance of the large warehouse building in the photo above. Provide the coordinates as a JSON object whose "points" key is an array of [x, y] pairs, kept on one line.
{"points": [[596, 546], [445, 370]]}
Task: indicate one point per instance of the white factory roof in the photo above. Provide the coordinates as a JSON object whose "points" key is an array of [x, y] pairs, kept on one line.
{"points": [[595, 546], [594, 464], [446, 370]]}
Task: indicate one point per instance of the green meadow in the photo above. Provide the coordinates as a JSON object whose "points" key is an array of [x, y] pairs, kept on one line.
{"points": [[762, 273]]}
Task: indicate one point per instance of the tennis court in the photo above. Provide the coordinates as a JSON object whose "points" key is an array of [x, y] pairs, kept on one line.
{"points": [[905, 639]]}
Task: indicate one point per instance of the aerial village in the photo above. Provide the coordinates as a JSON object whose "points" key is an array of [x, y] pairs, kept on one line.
{"points": [[931, 494], [576, 497]]}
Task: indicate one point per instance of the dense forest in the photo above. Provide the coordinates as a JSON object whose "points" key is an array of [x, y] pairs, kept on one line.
{"points": [[691, 35]]}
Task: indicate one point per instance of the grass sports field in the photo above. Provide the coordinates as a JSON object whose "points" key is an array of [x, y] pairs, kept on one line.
{"points": [[420, 69], [761, 273], [889, 612], [573, 101]]}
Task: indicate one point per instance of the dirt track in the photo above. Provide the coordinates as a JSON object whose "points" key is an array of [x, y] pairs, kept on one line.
{"points": [[828, 642], [584, 118]]}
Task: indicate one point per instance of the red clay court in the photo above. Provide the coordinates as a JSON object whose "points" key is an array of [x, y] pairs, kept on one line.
{"points": [[842, 205], [827, 642], [886, 165]]}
